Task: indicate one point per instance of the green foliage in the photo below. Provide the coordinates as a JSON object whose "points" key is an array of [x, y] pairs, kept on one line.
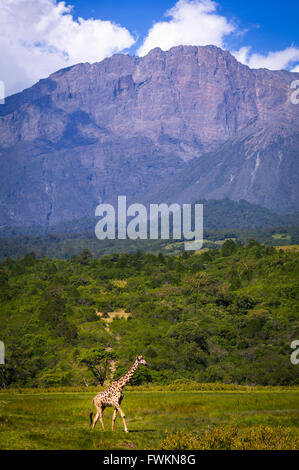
{"points": [[231, 438], [225, 315], [53, 309], [228, 248], [72, 245], [85, 257], [98, 361]]}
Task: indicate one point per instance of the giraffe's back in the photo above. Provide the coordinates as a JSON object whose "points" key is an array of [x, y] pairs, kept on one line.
{"points": [[110, 397]]}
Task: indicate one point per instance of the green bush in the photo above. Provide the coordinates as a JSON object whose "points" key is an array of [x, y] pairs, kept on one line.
{"points": [[221, 438]]}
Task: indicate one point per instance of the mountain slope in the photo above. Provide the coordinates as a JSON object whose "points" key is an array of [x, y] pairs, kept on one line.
{"points": [[136, 126], [260, 163]]}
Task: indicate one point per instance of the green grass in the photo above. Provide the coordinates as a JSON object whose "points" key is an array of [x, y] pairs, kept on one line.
{"points": [[61, 420]]}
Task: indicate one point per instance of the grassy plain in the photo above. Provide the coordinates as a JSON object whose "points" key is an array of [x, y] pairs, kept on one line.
{"points": [[55, 420]]}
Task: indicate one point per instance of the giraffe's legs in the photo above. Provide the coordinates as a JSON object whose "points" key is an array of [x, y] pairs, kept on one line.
{"points": [[123, 417], [101, 409], [99, 414], [114, 418], [95, 419]]}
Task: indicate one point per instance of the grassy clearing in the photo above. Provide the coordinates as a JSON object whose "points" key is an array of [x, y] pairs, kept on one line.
{"points": [[293, 248], [110, 316], [281, 236], [60, 420]]}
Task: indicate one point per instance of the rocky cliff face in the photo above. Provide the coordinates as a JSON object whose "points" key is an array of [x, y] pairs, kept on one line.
{"points": [[178, 125]]}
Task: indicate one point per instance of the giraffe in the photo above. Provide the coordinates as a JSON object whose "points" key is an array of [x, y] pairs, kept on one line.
{"points": [[113, 396]]}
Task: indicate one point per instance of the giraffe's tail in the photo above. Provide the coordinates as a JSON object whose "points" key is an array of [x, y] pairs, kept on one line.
{"points": [[91, 413]]}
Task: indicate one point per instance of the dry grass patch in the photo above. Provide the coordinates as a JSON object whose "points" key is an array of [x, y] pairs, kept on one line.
{"points": [[293, 248], [119, 283], [110, 316]]}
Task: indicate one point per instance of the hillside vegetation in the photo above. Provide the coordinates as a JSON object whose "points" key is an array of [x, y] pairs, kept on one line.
{"points": [[226, 315]]}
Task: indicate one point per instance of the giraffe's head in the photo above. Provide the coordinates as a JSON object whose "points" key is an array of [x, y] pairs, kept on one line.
{"points": [[140, 359]]}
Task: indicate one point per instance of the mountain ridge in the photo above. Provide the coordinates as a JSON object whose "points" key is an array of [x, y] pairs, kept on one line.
{"points": [[135, 125]]}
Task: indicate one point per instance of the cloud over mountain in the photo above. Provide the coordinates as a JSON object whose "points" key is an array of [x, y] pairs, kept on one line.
{"points": [[277, 60], [192, 22], [40, 36]]}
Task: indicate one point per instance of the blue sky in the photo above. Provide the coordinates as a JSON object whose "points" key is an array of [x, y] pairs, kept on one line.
{"points": [[268, 25], [39, 37]]}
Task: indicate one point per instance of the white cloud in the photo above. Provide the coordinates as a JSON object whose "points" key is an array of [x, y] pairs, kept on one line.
{"points": [[273, 60], [37, 37], [192, 22], [242, 54], [196, 22]]}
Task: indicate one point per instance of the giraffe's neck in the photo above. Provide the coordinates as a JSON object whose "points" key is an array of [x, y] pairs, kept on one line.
{"points": [[123, 381]]}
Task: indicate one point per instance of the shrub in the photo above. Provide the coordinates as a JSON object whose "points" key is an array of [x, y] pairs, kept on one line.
{"points": [[228, 248], [220, 438]]}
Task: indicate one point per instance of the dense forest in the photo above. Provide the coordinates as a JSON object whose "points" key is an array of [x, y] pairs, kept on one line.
{"points": [[226, 315], [68, 244]]}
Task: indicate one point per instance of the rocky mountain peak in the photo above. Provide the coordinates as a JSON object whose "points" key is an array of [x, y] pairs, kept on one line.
{"points": [[131, 124]]}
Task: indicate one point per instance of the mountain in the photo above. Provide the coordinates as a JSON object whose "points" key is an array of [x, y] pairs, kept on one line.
{"points": [[174, 126]]}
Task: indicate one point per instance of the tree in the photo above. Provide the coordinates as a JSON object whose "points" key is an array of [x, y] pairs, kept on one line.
{"points": [[53, 310], [161, 258], [29, 259], [85, 257], [98, 361], [252, 243], [228, 248], [189, 332]]}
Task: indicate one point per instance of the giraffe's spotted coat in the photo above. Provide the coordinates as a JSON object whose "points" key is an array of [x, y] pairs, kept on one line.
{"points": [[113, 395]]}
